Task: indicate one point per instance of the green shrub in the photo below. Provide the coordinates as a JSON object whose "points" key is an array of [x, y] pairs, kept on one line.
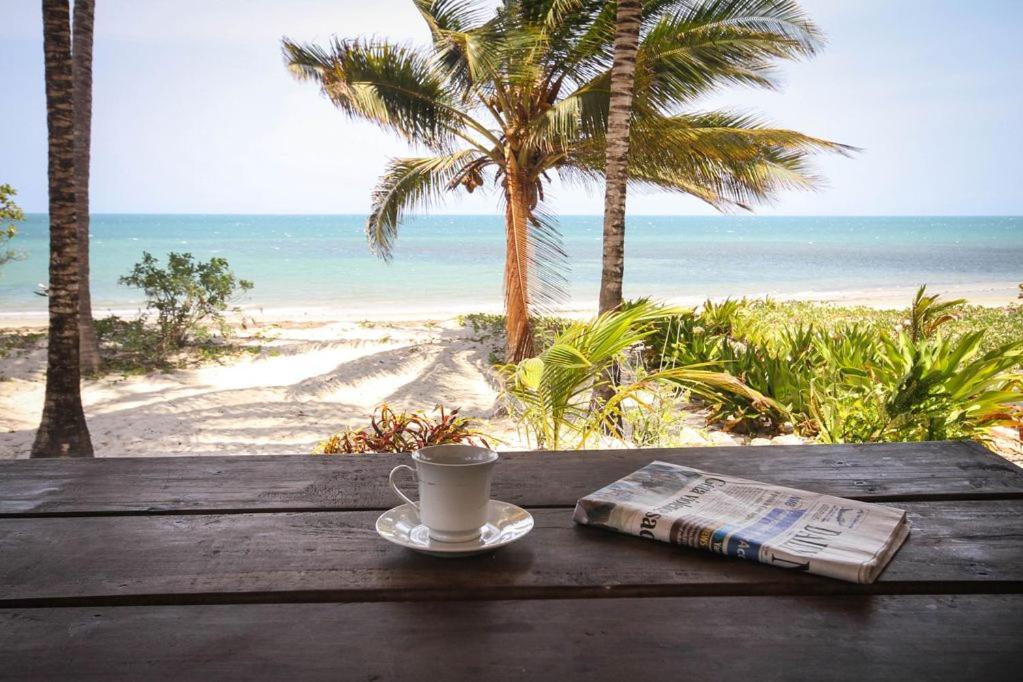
{"points": [[10, 215], [130, 346], [760, 320], [187, 295], [933, 389], [891, 377], [549, 396]]}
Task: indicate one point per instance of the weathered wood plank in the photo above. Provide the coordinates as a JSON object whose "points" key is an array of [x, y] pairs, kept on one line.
{"points": [[336, 556], [904, 471], [965, 637]]}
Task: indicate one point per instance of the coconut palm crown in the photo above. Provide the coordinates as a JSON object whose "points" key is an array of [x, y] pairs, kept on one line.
{"points": [[507, 97]]}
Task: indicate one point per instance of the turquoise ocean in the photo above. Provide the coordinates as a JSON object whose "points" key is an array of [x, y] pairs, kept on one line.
{"points": [[454, 263]]}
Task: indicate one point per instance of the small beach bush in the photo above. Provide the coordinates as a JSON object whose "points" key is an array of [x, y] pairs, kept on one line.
{"points": [[398, 432], [189, 299], [129, 346], [10, 215], [187, 295]]}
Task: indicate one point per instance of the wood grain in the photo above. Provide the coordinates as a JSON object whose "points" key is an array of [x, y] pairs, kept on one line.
{"points": [[337, 556], [963, 637], [890, 471]]}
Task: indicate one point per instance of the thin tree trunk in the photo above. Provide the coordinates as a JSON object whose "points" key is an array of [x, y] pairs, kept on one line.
{"points": [[518, 331], [623, 78], [81, 55], [616, 170], [62, 429]]}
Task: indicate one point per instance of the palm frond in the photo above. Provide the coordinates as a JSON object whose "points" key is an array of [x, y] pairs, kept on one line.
{"points": [[411, 183], [550, 394], [724, 159], [579, 116], [928, 312], [691, 48], [548, 262], [390, 85], [468, 43]]}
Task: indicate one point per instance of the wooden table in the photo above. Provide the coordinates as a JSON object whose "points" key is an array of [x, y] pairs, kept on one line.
{"points": [[269, 568]]}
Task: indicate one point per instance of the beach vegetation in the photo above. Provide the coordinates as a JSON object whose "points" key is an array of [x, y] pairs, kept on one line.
{"points": [[19, 342], [188, 296], [1000, 325], [400, 432], [936, 370], [183, 320], [549, 396], [896, 377], [133, 346], [10, 215], [492, 326], [505, 98]]}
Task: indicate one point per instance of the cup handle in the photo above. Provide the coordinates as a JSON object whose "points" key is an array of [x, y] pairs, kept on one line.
{"points": [[394, 486]]}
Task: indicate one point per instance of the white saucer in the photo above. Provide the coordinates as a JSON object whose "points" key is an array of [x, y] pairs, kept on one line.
{"points": [[506, 523]]}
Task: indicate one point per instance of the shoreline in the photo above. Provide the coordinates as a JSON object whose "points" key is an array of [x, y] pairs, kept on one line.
{"points": [[299, 380], [987, 294]]}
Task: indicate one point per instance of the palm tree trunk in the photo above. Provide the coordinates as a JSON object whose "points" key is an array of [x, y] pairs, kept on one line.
{"points": [[81, 54], [623, 77], [62, 429], [616, 171], [518, 331]]}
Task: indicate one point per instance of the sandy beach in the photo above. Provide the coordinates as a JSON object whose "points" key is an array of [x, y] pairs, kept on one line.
{"points": [[309, 378]]}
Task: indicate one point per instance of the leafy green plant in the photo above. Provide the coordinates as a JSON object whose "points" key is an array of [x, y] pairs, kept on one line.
{"points": [[10, 215], [889, 378], [186, 294], [396, 432], [760, 321], [928, 312], [130, 346], [659, 419], [549, 396]]}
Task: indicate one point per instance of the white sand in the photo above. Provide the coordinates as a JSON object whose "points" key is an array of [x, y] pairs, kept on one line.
{"points": [[310, 380], [992, 294]]}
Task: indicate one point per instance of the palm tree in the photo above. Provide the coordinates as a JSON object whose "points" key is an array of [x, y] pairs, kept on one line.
{"points": [[510, 97], [619, 119], [81, 54], [62, 429]]}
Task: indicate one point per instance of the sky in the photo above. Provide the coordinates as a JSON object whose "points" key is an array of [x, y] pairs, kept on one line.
{"points": [[194, 111]]}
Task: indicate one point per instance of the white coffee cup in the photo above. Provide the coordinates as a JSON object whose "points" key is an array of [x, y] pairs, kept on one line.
{"points": [[454, 489]]}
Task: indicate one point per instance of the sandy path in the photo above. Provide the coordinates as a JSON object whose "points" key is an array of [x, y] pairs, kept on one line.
{"points": [[310, 380]]}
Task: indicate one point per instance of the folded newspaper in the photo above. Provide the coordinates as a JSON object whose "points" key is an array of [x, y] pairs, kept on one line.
{"points": [[774, 525]]}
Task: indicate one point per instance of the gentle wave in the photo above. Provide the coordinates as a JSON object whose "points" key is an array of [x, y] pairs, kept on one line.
{"points": [[456, 262]]}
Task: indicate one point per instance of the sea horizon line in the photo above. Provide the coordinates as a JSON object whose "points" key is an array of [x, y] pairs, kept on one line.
{"points": [[565, 215]]}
